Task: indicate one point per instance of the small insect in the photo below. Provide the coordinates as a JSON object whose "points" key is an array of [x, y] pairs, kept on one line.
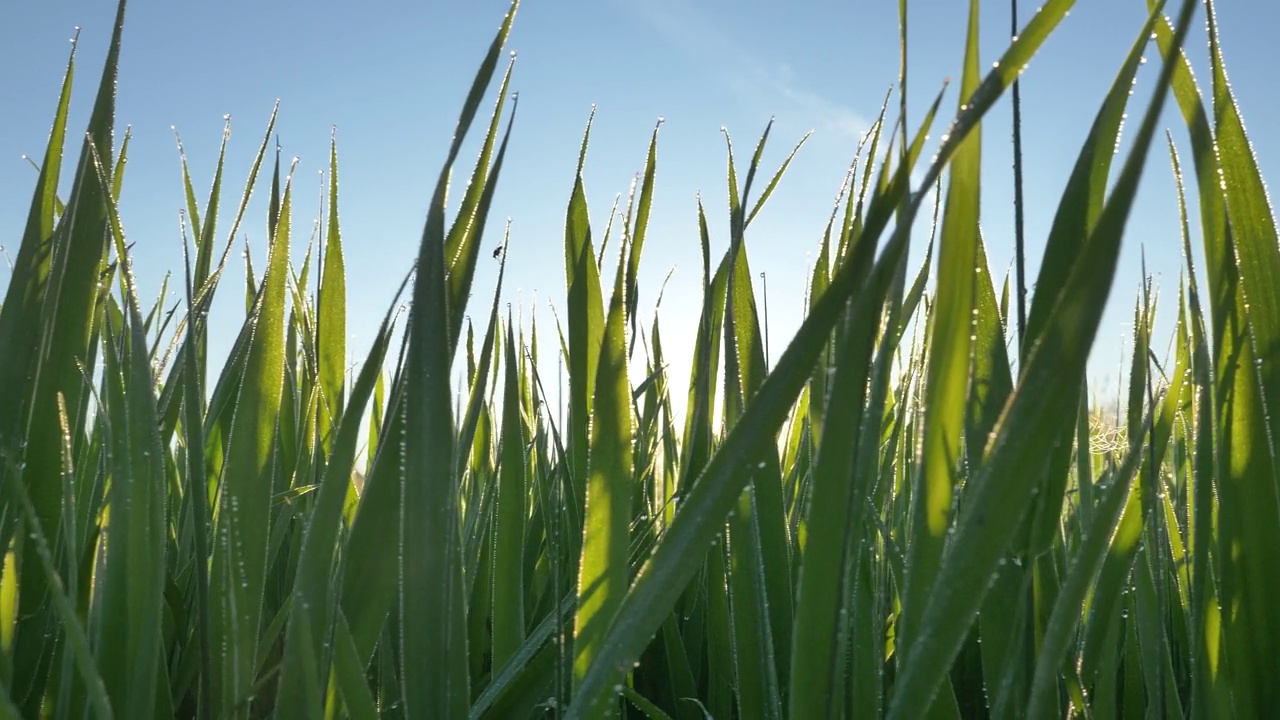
{"points": [[497, 252]]}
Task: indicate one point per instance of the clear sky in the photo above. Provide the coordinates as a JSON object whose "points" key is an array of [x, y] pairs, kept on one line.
{"points": [[391, 76]]}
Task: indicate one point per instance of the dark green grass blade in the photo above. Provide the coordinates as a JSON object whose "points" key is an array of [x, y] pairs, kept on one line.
{"points": [[321, 541], [60, 342], [994, 498], [462, 247], [434, 675], [817, 664], [370, 583], [1077, 214], [129, 647], [20, 314], [76, 637]]}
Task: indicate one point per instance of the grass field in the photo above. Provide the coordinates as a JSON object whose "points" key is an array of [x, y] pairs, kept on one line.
{"points": [[914, 512]]}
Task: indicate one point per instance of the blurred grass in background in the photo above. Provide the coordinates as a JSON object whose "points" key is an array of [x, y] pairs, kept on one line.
{"points": [[890, 521]]}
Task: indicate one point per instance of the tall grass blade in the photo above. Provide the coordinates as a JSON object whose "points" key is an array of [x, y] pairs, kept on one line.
{"points": [[994, 502]]}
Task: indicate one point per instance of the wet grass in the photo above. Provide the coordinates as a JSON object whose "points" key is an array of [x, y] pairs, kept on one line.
{"points": [[913, 513]]}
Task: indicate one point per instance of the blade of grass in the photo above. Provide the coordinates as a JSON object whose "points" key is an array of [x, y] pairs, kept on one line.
{"points": [[994, 505]]}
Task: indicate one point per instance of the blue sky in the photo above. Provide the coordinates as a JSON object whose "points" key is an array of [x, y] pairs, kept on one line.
{"points": [[391, 75]]}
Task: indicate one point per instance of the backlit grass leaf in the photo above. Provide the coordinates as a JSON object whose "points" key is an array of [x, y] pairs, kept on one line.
{"points": [[602, 570], [66, 313], [994, 497], [239, 558]]}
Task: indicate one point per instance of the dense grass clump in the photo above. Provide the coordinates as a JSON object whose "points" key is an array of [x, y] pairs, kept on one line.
{"points": [[890, 521]]}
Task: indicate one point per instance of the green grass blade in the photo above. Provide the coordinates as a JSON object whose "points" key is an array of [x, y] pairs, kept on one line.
{"points": [[640, 230], [1250, 516], [509, 518], [129, 648], [331, 313], [948, 370], [675, 558], [321, 541], [61, 342], [434, 677], [239, 562], [602, 574], [995, 499], [586, 324]]}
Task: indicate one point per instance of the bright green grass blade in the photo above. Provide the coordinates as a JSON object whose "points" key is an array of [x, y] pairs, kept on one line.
{"points": [[205, 236], [1247, 491], [314, 575], [698, 433], [586, 324], [1002, 619], [76, 638], [239, 561], [773, 182], [173, 388], [331, 312], [994, 499], [948, 370], [20, 315], [1237, 396], [509, 518], [602, 573], [462, 247], [640, 230], [61, 341]]}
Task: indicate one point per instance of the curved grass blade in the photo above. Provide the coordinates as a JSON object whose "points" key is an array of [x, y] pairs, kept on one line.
{"points": [[370, 585], [434, 677], [59, 341], [995, 498], [1250, 514]]}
